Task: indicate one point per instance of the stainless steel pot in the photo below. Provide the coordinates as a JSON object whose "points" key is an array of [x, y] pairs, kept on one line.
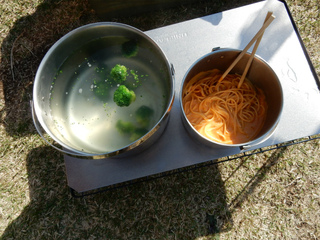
{"points": [[85, 41], [260, 74]]}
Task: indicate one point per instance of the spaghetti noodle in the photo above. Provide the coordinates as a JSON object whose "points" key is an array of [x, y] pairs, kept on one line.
{"points": [[223, 111]]}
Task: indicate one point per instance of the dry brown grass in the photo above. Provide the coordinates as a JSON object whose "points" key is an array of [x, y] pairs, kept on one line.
{"points": [[272, 195]]}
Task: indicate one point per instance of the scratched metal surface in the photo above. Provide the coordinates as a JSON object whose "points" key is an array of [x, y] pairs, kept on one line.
{"points": [[184, 43]]}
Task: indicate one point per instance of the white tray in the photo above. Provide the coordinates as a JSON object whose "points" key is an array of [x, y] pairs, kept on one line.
{"points": [[184, 43]]}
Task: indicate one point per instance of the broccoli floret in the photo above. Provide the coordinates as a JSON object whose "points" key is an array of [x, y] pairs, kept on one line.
{"points": [[130, 48], [143, 115], [123, 96], [138, 133], [119, 73], [125, 127], [129, 129]]}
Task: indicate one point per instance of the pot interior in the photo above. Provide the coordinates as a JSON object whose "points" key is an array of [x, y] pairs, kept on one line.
{"points": [[74, 88]]}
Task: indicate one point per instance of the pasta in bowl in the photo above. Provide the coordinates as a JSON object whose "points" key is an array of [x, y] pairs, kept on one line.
{"points": [[225, 112]]}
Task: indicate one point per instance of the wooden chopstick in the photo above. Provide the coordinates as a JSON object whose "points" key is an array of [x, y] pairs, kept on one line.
{"points": [[244, 74], [258, 34]]}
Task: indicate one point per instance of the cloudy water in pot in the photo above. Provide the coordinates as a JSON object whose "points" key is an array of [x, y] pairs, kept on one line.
{"points": [[87, 105]]}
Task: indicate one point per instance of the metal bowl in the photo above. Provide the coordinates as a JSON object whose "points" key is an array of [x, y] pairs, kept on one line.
{"points": [[87, 48], [260, 74]]}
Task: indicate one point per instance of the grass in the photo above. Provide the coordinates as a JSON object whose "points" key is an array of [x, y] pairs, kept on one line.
{"points": [[271, 195]]}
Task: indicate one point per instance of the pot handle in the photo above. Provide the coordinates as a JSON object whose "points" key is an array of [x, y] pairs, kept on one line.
{"points": [[173, 71], [215, 49], [38, 128]]}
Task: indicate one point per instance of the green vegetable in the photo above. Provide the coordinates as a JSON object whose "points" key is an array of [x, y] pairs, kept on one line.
{"points": [[138, 133], [123, 97], [119, 73], [129, 129], [125, 127], [143, 116], [130, 48], [135, 76]]}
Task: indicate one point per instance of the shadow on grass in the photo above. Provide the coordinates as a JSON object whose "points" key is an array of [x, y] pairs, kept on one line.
{"points": [[186, 205], [181, 206], [256, 179]]}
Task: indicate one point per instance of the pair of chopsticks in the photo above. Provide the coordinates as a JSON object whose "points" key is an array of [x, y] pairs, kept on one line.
{"points": [[257, 38]]}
